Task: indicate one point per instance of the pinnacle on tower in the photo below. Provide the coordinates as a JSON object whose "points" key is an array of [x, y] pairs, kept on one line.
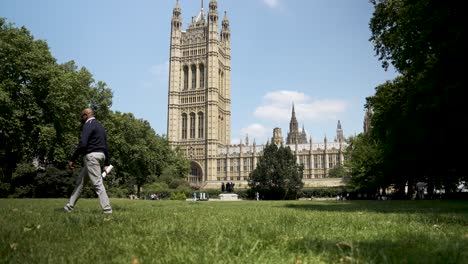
{"points": [[225, 22], [213, 5], [213, 11], [176, 16], [293, 111]]}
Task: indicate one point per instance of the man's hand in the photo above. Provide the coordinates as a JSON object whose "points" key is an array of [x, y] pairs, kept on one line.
{"points": [[71, 164]]}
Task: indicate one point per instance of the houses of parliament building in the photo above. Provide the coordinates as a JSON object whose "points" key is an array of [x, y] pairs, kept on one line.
{"points": [[199, 109]]}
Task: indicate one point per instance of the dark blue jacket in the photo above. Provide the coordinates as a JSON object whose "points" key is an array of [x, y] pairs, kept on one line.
{"points": [[93, 139]]}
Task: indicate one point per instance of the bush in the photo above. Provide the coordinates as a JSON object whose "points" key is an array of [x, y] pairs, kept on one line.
{"points": [[212, 193], [184, 189], [178, 196], [175, 183], [53, 183], [4, 189], [323, 192], [117, 192]]}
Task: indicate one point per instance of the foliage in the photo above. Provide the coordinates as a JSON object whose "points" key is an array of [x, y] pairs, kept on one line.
{"points": [[277, 175], [415, 115], [53, 183], [364, 159], [117, 192], [40, 102], [178, 196], [321, 192], [139, 153], [338, 171]]}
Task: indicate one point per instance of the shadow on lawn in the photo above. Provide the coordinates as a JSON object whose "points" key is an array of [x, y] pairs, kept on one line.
{"points": [[420, 249], [421, 207], [429, 212]]}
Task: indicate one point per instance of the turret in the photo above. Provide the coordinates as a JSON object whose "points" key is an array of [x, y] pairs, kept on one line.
{"points": [[225, 31], [339, 132], [176, 17], [213, 12], [174, 69]]}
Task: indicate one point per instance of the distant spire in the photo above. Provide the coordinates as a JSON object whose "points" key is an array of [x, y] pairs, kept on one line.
{"points": [[339, 132], [225, 31], [293, 111]]}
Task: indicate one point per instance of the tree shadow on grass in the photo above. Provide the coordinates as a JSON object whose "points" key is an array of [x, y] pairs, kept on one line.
{"points": [[408, 249], [424, 207], [431, 212]]}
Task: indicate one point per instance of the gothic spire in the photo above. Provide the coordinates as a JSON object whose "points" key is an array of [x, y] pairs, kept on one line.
{"points": [[339, 132], [293, 111], [225, 31], [176, 16]]}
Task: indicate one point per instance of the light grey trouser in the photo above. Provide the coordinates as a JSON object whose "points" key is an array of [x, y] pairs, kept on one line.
{"points": [[92, 167]]}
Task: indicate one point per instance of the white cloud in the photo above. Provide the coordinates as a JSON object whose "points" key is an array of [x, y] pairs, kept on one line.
{"points": [[271, 3], [277, 106], [286, 97], [255, 131]]}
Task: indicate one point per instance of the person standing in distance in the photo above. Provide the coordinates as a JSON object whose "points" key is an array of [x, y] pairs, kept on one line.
{"points": [[93, 145]]}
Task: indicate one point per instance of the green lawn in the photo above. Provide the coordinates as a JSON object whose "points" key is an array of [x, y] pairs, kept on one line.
{"points": [[35, 231]]}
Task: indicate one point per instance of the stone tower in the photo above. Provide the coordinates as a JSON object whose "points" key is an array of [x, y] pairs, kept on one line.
{"points": [[294, 136], [339, 133], [277, 136], [199, 96]]}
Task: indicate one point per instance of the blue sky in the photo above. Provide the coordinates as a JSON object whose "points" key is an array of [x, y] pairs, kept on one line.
{"points": [[313, 53]]}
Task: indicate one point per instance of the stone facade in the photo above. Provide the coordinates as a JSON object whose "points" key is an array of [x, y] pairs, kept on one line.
{"points": [[199, 109]]}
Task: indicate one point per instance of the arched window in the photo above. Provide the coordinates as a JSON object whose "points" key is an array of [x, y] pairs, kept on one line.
{"points": [[185, 77], [184, 126], [192, 125], [202, 76], [200, 124], [219, 83], [194, 76]]}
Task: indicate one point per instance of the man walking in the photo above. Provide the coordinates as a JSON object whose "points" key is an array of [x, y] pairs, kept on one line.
{"points": [[93, 145]]}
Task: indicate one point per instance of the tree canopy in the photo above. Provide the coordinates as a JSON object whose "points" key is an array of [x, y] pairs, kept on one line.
{"points": [[277, 175], [417, 117], [40, 102]]}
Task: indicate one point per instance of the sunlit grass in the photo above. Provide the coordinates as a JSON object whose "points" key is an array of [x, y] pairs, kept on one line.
{"points": [[35, 231]]}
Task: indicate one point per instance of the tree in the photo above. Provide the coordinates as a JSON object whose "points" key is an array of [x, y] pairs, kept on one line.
{"points": [[277, 175], [138, 153], [364, 160], [419, 113], [26, 71], [338, 171], [40, 102]]}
